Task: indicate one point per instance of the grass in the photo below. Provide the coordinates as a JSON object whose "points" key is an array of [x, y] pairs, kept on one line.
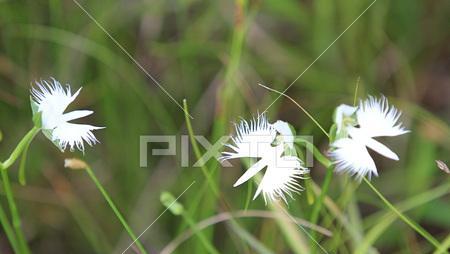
{"points": [[214, 54]]}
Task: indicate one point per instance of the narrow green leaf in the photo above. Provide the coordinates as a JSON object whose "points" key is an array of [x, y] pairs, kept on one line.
{"points": [[22, 166]]}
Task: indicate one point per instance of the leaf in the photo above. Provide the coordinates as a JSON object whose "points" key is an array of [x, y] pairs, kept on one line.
{"points": [[309, 191], [22, 165]]}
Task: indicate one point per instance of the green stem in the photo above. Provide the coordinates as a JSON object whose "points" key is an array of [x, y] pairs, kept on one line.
{"points": [[411, 223], [444, 246], [356, 91], [16, 222], [300, 107], [326, 183], [115, 210], [20, 147], [18, 242], [249, 194], [9, 231], [408, 221], [315, 151], [197, 152], [22, 166], [319, 201], [318, 204]]}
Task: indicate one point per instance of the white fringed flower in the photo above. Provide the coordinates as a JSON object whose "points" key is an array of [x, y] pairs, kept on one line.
{"points": [[356, 128], [259, 139], [50, 100], [252, 139], [377, 118]]}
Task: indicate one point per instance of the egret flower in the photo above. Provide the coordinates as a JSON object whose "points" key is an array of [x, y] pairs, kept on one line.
{"points": [[273, 145], [49, 100], [356, 128]]}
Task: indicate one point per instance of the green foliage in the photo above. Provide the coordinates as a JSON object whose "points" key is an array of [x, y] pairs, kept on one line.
{"points": [[213, 54]]}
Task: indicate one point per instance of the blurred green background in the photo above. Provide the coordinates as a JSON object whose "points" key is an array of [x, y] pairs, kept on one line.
{"points": [[213, 54]]}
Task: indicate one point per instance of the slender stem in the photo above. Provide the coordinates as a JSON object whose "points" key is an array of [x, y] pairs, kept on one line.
{"points": [[9, 231], [85, 220], [408, 221], [197, 152], [20, 147], [403, 217], [329, 174], [16, 222], [319, 201], [414, 225], [356, 90], [445, 246], [115, 210], [298, 105], [249, 194], [326, 183], [315, 151], [18, 241], [22, 166]]}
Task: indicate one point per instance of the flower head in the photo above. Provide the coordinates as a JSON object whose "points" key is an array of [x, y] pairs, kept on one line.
{"points": [[273, 145], [356, 128], [49, 101], [253, 139]]}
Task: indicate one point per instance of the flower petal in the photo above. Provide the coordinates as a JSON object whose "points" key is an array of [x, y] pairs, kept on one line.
{"points": [[359, 135], [280, 179], [253, 139], [76, 114], [253, 170], [381, 149], [377, 118], [70, 134], [352, 156], [52, 99]]}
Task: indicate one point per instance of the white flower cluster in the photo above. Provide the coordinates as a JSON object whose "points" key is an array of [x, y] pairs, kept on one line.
{"points": [[354, 132], [271, 144]]}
